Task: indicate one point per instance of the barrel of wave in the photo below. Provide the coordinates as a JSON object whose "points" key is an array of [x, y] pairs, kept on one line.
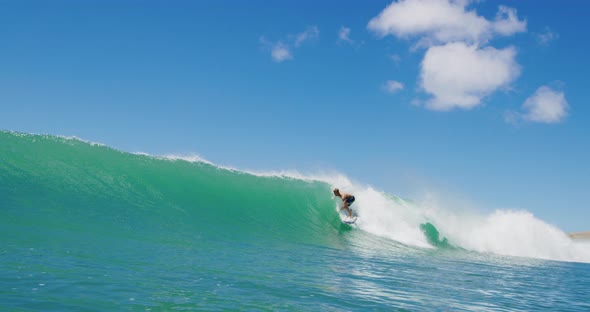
{"points": [[388, 216]]}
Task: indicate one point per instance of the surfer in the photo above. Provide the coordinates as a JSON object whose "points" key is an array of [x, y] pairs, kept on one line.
{"points": [[347, 200]]}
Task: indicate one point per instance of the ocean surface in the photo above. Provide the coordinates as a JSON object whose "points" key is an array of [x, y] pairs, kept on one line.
{"points": [[84, 227]]}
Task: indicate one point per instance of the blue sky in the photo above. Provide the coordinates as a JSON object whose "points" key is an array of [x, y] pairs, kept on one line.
{"points": [[484, 100]]}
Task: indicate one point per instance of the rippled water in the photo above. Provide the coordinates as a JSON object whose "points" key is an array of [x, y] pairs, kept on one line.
{"points": [[366, 273]]}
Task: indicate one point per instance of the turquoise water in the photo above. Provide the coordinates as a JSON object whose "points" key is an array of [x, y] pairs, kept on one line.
{"points": [[88, 228]]}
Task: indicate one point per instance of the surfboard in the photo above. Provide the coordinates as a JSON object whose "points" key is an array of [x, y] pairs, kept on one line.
{"points": [[346, 219], [349, 220]]}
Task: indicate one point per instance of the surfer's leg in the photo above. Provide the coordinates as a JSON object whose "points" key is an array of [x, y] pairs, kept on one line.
{"points": [[345, 206]]}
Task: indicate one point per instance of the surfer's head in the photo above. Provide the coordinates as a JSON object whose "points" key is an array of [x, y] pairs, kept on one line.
{"points": [[336, 192]]}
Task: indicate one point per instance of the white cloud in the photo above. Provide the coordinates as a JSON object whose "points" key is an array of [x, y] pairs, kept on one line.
{"points": [[545, 105], [309, 33], [344, 34], [393, 86], [460, 75], [442, 21], [507, 22], [459, 68], [547, 36], [281, 51]]}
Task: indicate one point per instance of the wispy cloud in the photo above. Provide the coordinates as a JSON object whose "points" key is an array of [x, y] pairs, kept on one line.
{"points": [[507, 22], [392, 86], [344, 34], [396, 59], [281, 51], [310, 33], [546, 37]]}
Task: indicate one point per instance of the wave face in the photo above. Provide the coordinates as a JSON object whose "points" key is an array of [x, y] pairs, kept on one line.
{"points": [[65, 186], [64, 183]]}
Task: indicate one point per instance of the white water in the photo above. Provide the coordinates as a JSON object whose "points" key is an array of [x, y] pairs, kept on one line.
{"points": [[503, 232]]}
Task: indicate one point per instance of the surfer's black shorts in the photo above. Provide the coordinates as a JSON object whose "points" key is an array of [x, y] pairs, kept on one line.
{"points": [[350, 200]]}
